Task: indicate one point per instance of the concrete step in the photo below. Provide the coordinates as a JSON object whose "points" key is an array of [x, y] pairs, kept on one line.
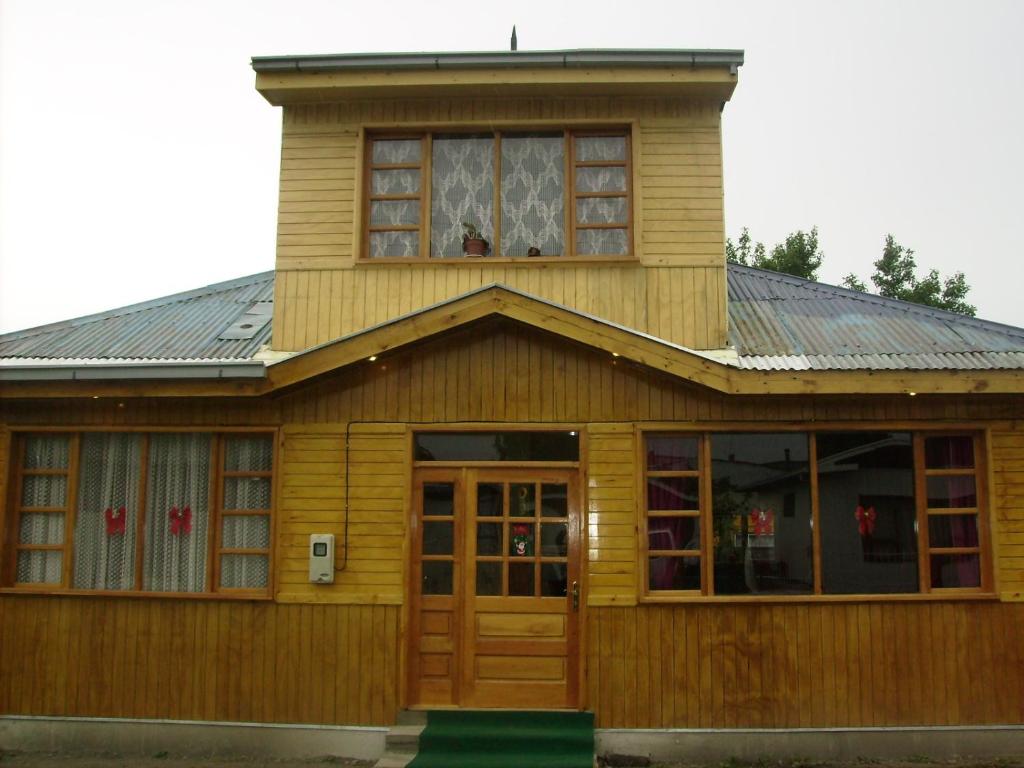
{"points": [[403, 738], [389, 760]]}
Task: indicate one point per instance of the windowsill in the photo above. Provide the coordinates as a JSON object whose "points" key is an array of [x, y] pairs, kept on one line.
{"points": [[483, 261], [930, 597], [50, 591]]}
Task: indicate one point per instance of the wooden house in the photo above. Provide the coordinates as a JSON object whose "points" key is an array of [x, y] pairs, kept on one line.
{"points": [[592, 468]]}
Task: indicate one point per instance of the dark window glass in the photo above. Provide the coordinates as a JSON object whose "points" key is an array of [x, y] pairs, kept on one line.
{"points": [[554, 540], [437, 577], [488, 538], [553, 579], [438, 499], [867, 511], [956, 571], [521, 500], [674, 573], [437, 537], [488, 578], [497, 446], [555, 500], [952, 492], [673, 533], [762, 540], [952, 531], [949, 452], [520, 579], [668, 493], [672, 453], [489, 500]]}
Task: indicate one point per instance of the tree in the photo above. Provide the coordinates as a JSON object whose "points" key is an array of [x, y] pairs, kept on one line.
{"points": [[798, 255], [895, 277]]}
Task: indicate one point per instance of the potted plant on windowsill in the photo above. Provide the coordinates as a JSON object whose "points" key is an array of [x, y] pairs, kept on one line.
{"points": [[473, 243]]}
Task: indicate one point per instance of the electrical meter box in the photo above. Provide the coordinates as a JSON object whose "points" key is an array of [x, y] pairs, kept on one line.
{"points": [[321, 558]]}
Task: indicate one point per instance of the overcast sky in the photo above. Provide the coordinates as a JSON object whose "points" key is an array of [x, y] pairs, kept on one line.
{"points": [[137, 160]]}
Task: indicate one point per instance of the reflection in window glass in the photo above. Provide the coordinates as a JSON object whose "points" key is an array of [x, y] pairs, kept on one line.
{"points": [[674, 573], [761, 514], [437, 577], [867, 512], [497, 446]]}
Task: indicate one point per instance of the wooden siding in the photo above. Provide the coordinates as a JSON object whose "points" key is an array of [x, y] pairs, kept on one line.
{"points": [[676, 290], [811, 665], [198, 660], [1007, 498]]}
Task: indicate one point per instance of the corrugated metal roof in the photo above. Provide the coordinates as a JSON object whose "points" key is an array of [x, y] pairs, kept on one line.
{"points": [[183, 326], [781, 322]]}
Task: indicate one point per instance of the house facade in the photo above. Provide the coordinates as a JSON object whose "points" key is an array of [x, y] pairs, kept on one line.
{"points": [[593, 467]]}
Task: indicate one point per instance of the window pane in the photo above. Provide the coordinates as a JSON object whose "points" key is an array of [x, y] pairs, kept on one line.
{"points": [[108, 506], [949, 452], [532, 195], [43, 490], [488, 538], [674, 573], [245, 532], [668, 493], [462, 190], [866, 498], [497, 446], [488, 578], [520, 579], [955, 571], [41, 528], [39, 567], [177, 513], [437, 577], [489, 500], [951, 492], [590, 179], [601, 242], [438, 499], [553, 579], [47, 452], [249, 454], [244, 571], [521, 500], [405, 181], [394, 245], [952, 530], [602, 210], [396, 151], [672, 453], [438, 537], [520, 539], [755, 475], [555, 501], [665, 533], [246, 493], [554, 539], [394, 213], [600, 148]]}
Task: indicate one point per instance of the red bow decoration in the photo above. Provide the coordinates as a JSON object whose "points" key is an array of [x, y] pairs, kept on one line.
{"points": [[115, 520], [762, 521], [865, 520], [181, 522]]}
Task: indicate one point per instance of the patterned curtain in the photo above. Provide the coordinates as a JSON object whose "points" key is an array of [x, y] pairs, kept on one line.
{"points": [[605, 180], [462, 179], [532, 195], [391, 213], [245, 531], [177, 513], [43, 491], [108, 505]]}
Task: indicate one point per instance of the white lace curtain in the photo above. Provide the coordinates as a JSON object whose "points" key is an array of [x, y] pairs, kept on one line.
{"points": [[47, 491], [532, 195], [462, 190], [245, 531], [107, 514], [176, 539]]}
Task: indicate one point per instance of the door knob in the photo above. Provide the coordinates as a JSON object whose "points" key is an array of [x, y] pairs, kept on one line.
{"points": [[575, 596]]}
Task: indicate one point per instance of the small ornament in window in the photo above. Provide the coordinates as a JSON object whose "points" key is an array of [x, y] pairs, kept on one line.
{"points": [[762, 522], [181, 521], [115, 520], [865, 520], [521, 540]]}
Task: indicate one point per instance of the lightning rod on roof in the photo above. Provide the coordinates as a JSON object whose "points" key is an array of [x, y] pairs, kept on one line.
{"points": [[515, 43]]}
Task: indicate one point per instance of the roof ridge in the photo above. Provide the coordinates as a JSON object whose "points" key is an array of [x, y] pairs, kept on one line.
{"points": [[873, 298], [141, 306]]}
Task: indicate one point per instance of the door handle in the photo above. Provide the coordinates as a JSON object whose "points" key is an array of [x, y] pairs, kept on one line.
{"points": [[575, 596]]}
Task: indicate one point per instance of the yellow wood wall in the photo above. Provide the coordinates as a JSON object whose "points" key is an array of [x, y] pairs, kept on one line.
{"points": [[808, 665], [676, 290]]}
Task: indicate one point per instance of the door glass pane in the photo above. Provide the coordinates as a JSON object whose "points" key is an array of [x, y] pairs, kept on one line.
{"points": [[488, 578], [520, 539], [438, 537], [522, 500], [488, 538], [520, 579], [553, 579], [438, 499], [489, 500], [437, 577], [554, 500], [554, 539]]}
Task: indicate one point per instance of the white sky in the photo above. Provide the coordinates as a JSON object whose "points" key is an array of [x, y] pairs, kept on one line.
{"points": [[137, 160]]}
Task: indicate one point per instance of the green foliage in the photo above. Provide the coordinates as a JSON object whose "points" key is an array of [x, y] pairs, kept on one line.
{"points": [[798, 255]]}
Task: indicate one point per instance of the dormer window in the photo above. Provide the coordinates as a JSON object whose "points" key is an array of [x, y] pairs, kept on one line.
{"points": [[563, 193]]}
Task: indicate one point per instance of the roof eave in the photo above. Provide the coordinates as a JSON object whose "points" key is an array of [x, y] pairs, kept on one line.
{"points": [[148, 371]]}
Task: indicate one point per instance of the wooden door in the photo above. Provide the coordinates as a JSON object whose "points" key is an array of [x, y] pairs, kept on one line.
{"points": [[507, 635]]}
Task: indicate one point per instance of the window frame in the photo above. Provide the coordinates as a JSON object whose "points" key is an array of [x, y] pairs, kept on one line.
{"points": [[12, 512], [426, 135], [919, 433]]}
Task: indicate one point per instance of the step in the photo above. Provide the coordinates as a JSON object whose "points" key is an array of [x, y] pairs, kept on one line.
{"points": [[403, 738]]}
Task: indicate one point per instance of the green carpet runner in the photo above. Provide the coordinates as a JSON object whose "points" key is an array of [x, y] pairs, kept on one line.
{"points": [[501, 739]]}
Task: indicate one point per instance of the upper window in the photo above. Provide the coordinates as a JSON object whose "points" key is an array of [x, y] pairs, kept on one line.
{"points": [[511, 194], [130, 511], [813, 513]]}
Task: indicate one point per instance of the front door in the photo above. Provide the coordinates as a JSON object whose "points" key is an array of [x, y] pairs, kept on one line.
{"points": [[494, 620]]}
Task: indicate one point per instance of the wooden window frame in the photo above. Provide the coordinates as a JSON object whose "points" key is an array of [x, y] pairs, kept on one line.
{"points": [[571, 196], [10, 546], [924, 551]]}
